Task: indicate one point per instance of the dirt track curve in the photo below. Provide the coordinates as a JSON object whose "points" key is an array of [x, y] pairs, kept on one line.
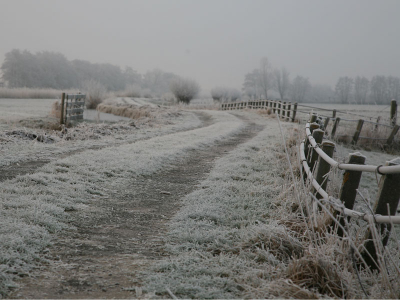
{"points": [[123, 234]]}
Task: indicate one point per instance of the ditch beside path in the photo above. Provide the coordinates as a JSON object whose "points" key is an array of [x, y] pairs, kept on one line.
{"points": [[121, 234]]}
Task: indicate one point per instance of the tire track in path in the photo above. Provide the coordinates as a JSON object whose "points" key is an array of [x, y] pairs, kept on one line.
{"points": [[122, 234]]}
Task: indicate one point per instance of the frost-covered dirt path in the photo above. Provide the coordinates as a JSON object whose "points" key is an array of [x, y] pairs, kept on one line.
{"points": [[117, 232], [28, 165]]}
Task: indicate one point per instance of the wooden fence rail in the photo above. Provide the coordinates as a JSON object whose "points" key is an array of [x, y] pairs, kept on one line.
{"points": [[285, 109], [317, 163]]}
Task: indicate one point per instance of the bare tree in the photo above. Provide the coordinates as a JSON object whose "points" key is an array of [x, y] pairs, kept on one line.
{"points": [[361, 86], [393, 85], [299, 88], [224, 94], [251, 84], [379, 89], [282, 83], [343, 89], [265, 76]]}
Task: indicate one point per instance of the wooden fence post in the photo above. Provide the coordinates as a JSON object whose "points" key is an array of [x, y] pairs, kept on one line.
{"points": [[358, 131], [326, 123], [279, 107], [62, 109], [350, 183], [393, 112], [392, 135], [323, 167], [294, 112], [288, 111], [313, 118], [335, 125], [313, 126], [274, 107], [283, 110], [388, 199], [318, 135], [377, 123], [334, 114]]}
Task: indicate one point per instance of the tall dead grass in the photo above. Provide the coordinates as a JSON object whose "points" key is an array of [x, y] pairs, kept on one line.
{"points": [[128, 111], [31, 93]]}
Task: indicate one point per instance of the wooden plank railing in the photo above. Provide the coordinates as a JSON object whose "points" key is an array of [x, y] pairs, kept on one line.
{"points": [[285, 109], [316, 164]]}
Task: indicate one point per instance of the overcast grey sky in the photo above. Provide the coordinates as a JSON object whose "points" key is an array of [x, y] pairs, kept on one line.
{"points": [[215, 42]]}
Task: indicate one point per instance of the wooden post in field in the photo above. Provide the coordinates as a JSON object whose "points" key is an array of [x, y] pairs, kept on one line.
{"points": [[326, 123], [358, 131], [318, 135], [294, 112], [62, 109], [279, 107], [392, 135], [377, 123], [334, 114], [313, 126], [393, 112], [386, 204], [313, 118], [274, 107], [288, 110], [350, 183], [335, 125], [323, 167], [283, 110]]}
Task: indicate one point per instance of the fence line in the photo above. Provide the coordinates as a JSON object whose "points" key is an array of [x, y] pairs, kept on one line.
{"points": [[316, 162], [348, 167], [286, 110]]}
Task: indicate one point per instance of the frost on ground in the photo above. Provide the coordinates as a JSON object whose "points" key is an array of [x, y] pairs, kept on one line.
{"points": [[242, 234], [221, 242], [33, 208], [19, 143]]}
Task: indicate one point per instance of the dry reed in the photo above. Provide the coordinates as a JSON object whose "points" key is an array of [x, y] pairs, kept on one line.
{"points": [[128, 111]]}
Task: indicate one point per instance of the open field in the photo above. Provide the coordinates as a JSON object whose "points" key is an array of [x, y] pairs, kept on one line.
{"points": [[185, 203]]}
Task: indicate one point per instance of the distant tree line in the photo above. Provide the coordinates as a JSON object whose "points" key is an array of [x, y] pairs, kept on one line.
{"points": [[53, 70], [268, 82], [379, 90], [265, 79]]}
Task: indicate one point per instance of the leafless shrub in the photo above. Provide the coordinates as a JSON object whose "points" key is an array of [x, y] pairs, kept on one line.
{"points": [[146, 93], [222, 94], [184, 89], [56, 109], [95, 93], [133, 91]]}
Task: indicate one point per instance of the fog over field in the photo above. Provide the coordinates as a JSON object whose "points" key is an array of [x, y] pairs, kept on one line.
{"points": [[214, 42]]}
